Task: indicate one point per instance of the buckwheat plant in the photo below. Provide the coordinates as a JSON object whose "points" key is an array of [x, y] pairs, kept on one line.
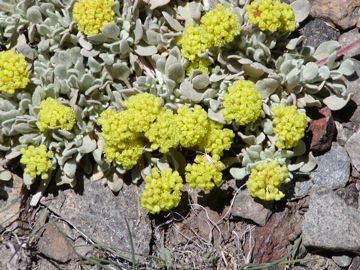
{"points": [[182, 96]]}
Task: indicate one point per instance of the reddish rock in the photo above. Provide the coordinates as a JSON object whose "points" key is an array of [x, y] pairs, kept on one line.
{"points": [[322, 131], [341, 13], [274, 240]]}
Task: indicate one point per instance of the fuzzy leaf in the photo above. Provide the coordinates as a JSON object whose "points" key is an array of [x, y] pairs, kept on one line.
{"points": [[301, 9], [238, 173], [111, 30], [70, 168], [158, 3], [120, 71], [266, 87], [310, 71], [336, 103], [347, 67], [174, 24], [94, 65], [28, 180], [5, 175], [325, 49], [88, 145], [188, 91], [145, 50]]}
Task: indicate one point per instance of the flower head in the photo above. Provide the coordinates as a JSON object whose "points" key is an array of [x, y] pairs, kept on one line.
{"points": [[222, 24], [162, 190], [194, 40], [217, 139], [265, 179], [271, 15], [193, 125], [37, 160], [142, 110], [53, 114], [163, 133], [13, 73], [92, 15], [242, 102], [289, 124], [121, 144], [205, 172]]}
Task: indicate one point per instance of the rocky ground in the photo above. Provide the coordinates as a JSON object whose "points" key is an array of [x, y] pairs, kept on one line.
{"points": [[317, 227]]}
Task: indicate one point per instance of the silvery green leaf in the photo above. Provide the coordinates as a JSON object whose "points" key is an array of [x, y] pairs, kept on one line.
{"points": [[158, 3], [310, 71], [294, 42], [28, 180], [120, 71], [60, 71], [91, 53], [13, 154], [64, 133], [335, 74], [70, 168], [64, 58], [21, 128], [266, 87], [94, 65], [107, 58], [216, 116], [295, 166], [336, 102], [9, 115], [201, 81], [37, 96], [26, 50], [85, 44], [325, 49], [97, 154], [5, 175], [170, 84], [268, 126], [86, 82], [114, 180], [138, 31], [190, 11], [238, 173], [98, 39], [248, 139], [324, 72], [301, 9], [309, 163], [88, 145], [175, 72], [313, 88], [347, 67], [174, 24], [300, 148], [151, 37], [188, 91], [145, 50], [62, 179], [43, 29], [111, 30]]}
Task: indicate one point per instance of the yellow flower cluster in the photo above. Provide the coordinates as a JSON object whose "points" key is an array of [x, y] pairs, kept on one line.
{"points": [[242, 102], [265, 179], [271, 15], [289, 125], [142, 111], [221, 24], [53, 114], [217, 28], [162, 190], [37, 160], [217, 139], [193, 125], [164, 132], [13, 73], [205, 172], [121, 144], [92, 15]]}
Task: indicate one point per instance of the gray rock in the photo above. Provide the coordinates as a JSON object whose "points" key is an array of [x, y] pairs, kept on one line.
{"points": [[54, 245], [332, 223], [102, 215], [316, 32], [342, 261], [246, 207], [332, 171], [352, 146]]}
